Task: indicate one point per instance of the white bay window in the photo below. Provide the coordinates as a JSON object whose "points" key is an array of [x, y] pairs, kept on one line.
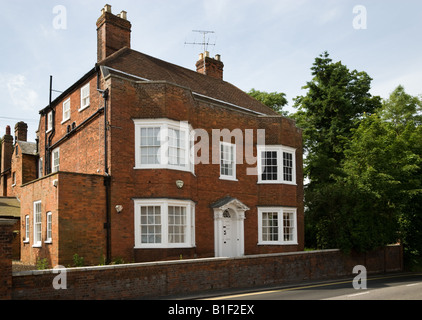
{"points": [[164, 223], [276, 164], [162, 144]]}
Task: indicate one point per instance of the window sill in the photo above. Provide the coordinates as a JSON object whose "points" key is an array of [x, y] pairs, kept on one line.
{"points": [[277, 243], [277, 182], [64, 121], [164, 247], [37, 246], [83, 108], [228, 179]]}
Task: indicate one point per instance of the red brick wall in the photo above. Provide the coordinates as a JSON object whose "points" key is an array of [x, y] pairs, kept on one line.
{"points": [[149, 280], [77, 205], [6, 238], [128, 101]]}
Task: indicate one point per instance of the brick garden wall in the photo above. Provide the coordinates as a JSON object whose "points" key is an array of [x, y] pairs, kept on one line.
{"points": [[6, 236], [149, 280]]}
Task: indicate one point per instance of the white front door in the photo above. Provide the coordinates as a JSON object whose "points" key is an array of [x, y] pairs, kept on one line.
{"points": [[229, 237]]}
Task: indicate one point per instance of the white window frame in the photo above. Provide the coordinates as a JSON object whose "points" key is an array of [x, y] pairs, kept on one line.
{"points": [[55, 168], [27, 234], [40, 168], [85, 98], [280, 150], [37, 217], [231, 162], [164, 161], [66, 111], [164, 205], [49, 236], [280, 225], [49, 121]]}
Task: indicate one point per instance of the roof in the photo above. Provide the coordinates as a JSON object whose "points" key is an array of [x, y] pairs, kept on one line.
{"points": [[10, 207], [28, 147], [153, 69]]}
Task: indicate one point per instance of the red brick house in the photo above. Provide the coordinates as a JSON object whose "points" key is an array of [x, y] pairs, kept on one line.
{"points": [[144, 160]]}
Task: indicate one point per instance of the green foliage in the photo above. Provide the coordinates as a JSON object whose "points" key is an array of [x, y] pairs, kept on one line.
{"points": [[363, 160], [336, 100], [274, 100], [42, 264], [78, 261]]}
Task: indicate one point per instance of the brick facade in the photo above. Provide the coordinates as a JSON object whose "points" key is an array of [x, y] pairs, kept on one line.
{"points": [[86, 164]]}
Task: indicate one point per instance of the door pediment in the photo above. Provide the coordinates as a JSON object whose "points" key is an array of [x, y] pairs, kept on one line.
{"points": [[230, 203]]}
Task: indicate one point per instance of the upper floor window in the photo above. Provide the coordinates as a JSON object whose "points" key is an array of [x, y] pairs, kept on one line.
{"points": [[55, 160], [84, 97], [276, 164], [66, 110], [227, 161], [49, 121], [162, 144]]}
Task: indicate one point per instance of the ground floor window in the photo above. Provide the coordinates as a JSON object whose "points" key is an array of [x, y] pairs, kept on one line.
{"points": [[164, 223], [277, 225], [37, 224]]}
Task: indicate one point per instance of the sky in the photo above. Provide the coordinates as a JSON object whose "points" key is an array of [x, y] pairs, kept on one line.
{"points": [[268, 45]]}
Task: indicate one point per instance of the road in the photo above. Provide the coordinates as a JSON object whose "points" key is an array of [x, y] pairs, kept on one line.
{"points": [[385, 287]]}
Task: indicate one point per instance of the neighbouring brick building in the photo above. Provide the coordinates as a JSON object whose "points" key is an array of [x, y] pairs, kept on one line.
{"points": [[144, 160]]}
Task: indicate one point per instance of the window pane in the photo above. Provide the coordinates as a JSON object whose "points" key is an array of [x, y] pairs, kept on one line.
{"points": [[269, 226], [177, 224], [287, 166], [269, 166], [227, 160], [150, 224], [288, 226], [150, 146]]}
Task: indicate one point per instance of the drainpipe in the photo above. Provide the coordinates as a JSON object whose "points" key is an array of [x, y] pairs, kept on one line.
{"points": [[107, 178], [48, 141]]}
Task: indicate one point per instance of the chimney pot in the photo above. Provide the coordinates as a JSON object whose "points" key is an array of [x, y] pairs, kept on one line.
{"points": [[107, 8], [123, 15], [8, 130]]}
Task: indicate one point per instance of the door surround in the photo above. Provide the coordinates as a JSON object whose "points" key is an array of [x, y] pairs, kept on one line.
{"points": [[233, 209]]}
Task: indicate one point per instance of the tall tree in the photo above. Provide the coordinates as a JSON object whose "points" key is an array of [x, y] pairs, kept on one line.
{"points": [[336, 101], [274, 100], [384, 162]]}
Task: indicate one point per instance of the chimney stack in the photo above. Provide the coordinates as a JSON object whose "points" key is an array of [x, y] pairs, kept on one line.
{"points": [[113, 33], [21, 131], [6, 151], [212, 67]]}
